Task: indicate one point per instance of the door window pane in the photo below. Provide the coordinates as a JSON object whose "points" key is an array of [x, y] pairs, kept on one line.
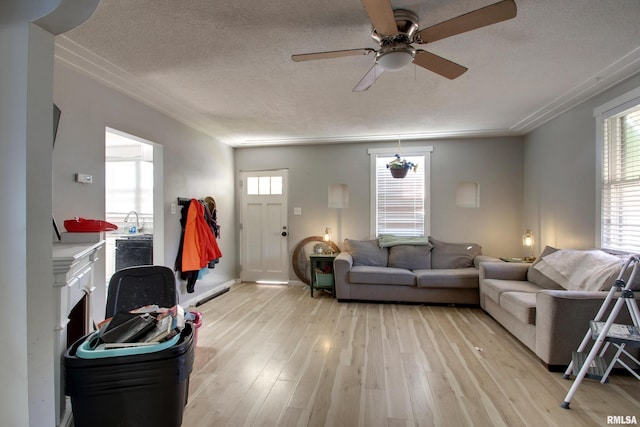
{"points": [[252, 185], [264, 185], [276, 185]]}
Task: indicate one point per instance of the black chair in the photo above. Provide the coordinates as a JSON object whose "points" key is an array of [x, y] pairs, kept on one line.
{"points": [[137, 286]]}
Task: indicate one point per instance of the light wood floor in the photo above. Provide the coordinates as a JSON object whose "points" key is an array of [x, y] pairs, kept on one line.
{"points": [[273, 356]]}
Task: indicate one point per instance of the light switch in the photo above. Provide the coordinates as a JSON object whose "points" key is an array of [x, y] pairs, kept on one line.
{"points": [[297, 211]]}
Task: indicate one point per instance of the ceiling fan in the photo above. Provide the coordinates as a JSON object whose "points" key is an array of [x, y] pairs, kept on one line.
{"points": [[396, 30]]}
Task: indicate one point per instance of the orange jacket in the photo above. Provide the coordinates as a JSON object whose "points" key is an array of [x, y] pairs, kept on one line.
{"points": [[199, 245]]}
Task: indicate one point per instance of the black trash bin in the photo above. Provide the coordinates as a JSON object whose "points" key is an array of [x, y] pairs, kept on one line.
{"points": [[133, 391]]}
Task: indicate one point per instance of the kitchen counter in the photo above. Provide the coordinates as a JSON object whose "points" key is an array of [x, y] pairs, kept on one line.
{"points": [[137, 236]]}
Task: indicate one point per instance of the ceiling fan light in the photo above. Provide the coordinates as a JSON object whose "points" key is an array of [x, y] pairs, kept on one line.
{"points": [[394, 60]]}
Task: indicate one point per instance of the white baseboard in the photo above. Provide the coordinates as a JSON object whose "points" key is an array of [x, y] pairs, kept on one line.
{"points": [[207, 295]]}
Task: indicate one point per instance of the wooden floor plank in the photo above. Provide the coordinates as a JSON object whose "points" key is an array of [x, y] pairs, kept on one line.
{"points": [[274, 356], [398, 397]]}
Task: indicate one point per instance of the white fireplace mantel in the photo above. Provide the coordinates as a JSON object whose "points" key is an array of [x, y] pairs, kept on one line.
{"points": [[73, 267]]}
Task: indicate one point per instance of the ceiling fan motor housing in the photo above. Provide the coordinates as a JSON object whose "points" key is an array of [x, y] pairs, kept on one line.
{"points": [[407, 23]]}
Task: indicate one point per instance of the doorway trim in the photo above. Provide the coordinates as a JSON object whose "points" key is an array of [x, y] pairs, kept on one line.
{"points": [[158, 192]]}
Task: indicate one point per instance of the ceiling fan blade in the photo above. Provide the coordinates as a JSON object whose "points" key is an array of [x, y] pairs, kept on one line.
{"points": [[331, 54], [369, 79], [381, 15], [479, 18], [438, 64]]}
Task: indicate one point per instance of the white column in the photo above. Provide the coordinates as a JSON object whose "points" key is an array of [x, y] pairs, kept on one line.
{"points": [[26, 87], [14, 400], [40, 291], [26, 289]]}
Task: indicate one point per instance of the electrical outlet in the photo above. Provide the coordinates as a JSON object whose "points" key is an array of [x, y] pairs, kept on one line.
{"points": [[173, 208], [84, 178]]}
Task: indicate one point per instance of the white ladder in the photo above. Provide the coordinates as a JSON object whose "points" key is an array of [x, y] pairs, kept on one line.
{"points": [[606, 333]]}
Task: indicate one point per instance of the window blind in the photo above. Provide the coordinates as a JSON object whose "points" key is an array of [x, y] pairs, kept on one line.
{"points": [[400, 202], [620, 194]]}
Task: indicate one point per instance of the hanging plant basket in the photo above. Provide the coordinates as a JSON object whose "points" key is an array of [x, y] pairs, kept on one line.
{"points": [[399, 172], [399, 166]]}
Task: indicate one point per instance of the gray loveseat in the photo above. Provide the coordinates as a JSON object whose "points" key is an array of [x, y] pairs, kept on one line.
{"points": [[417, 270], [547, 318]]}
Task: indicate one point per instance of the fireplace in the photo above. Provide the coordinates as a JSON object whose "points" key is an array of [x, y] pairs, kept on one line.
{"points": [[73, 271], [79, 320]]}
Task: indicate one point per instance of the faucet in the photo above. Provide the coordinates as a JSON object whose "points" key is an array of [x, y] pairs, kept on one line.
{"points": [[126, 219]]}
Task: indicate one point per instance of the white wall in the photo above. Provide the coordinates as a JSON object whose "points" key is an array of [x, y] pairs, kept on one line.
{"points": [[560, 175], [195, 165], [495, 163]]}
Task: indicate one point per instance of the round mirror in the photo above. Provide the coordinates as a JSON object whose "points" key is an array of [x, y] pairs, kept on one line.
{"points": [[306, 247]]}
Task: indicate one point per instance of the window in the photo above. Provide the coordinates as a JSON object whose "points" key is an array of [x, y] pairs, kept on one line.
{"points": [[264, 185], [129, 177], [400, 206], [619, 141], [129, 187]]}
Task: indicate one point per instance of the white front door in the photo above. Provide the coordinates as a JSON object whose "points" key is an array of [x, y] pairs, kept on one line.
{"points": [[263, 226]]}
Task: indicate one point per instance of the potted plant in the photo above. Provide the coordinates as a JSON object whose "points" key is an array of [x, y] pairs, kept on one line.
{"points": [[399, 167]]}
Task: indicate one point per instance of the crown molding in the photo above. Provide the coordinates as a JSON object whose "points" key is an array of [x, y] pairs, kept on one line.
{"points": [[89, 64], [611, 75]]}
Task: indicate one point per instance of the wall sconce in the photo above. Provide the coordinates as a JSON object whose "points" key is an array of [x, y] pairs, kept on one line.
{"points": [[527, 240]]}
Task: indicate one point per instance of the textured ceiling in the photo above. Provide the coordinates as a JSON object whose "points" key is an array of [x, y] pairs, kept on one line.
{"points": [[225, 68]]}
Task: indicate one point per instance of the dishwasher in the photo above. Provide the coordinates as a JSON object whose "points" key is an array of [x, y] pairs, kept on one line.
{"points": [[132, 251]]}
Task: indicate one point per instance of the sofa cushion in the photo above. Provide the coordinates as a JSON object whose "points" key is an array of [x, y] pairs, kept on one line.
{"points": [[539, 278], [381, 276], [411, 257], [453, 255], [493, 288], [462, 278], [521, 305], [367, 252]]}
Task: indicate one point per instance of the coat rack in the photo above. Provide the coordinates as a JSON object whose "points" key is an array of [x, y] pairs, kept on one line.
{"points": [[184, 201]]}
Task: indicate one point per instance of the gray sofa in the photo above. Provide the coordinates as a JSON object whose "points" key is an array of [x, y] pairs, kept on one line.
{"points": [[412, 270], [547, 318]]}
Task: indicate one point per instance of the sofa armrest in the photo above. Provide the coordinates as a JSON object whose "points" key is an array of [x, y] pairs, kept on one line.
{"points": [[344, 259], [341, 267], [562, 320], [483, 258], [504, 270]]}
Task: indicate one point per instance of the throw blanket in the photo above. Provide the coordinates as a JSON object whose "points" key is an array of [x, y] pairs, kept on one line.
{"points": [[388, 240], [575, 270]]}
